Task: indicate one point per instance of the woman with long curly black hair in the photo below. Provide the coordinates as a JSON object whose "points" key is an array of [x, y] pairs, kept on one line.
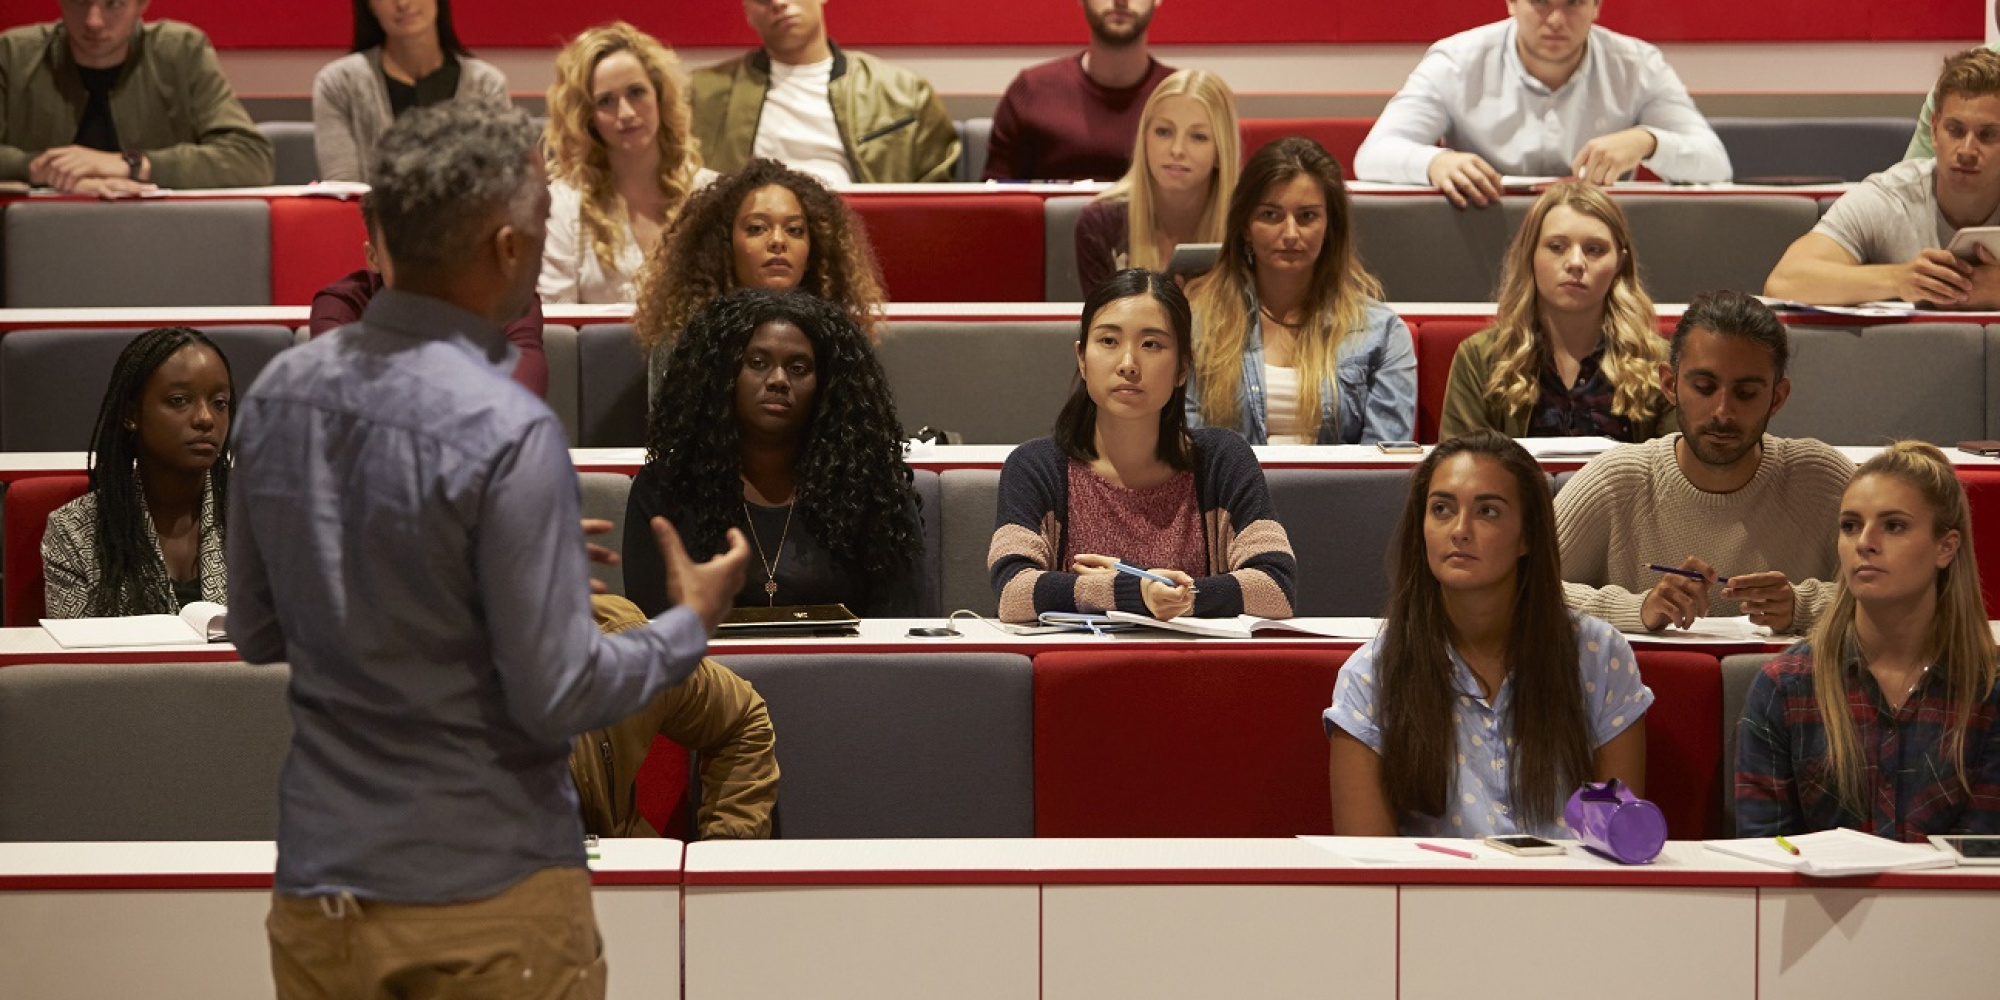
{"points": [[147, 538], [781, 424]]}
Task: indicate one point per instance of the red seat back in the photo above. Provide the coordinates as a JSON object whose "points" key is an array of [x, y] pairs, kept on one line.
{"points": [[1195, 743], [1340, 136], [1982, 492], [25, 510], [1437, 343], [948, 248], [314, 241], [1684, 739]]}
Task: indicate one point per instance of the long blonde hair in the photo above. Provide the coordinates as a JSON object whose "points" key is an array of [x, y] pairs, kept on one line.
{"points": [[1336, 301], [576, 152], [1960, 644], [1633, 348], [1136, 187]]}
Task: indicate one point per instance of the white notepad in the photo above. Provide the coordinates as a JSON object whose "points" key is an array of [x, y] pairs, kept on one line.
{"points": [[1833, 853], [199, 622]]}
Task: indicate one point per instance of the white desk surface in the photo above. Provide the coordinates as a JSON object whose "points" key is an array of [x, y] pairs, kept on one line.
{"points": [[250, 863]]}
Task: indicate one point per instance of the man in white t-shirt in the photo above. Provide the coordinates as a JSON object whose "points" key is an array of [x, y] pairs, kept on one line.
{"points": [[1545, 92], [1886, 238], [846, 117]]}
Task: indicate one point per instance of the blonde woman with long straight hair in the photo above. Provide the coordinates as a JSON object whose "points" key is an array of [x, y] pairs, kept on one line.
{"points": [[621, 163], [1292, 345], [1177, 190], [1887, 720], [1574, 349]]}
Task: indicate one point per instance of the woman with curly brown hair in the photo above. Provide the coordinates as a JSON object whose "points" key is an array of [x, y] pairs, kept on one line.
{"points": [[765, 226], [621, 164]]}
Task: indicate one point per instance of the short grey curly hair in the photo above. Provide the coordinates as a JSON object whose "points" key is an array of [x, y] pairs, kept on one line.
{"points": [[440, 171]]}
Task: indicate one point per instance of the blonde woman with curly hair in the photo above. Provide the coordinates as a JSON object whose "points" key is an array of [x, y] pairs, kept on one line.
{"points": [[621, 163], [1574, 349], [1291, 343], [1887, 720], [1177, 190], [764, 226]]}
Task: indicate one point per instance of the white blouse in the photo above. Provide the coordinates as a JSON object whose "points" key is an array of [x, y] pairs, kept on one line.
{"points": [[571, 272], [1281, 405]]}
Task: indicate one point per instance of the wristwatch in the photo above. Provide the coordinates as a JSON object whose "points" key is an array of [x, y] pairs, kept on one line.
{"points": [[135, 161]]}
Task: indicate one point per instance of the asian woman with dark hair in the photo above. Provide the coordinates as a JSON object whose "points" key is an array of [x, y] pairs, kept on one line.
{"points": [[406, 55], [1123, 479]]}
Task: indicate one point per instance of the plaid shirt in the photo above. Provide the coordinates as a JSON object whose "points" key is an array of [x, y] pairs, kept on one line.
{"points": [[1784, 783], [1580, 410]]}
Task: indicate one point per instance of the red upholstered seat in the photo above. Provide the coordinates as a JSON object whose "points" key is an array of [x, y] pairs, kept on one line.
{"points": [[1437, 343], [314, 241], [25, 509], [1982, 491], [1340, 136], [1195, 743], [1684, 766], [948, 248]]}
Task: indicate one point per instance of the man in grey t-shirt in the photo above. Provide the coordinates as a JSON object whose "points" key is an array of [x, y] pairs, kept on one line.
{"points": [[1886, 238]]}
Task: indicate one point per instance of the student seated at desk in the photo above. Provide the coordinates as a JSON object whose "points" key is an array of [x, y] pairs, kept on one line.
{"points": [[148, 537], [1122, 479], [774, 416], [1573, 350], [1887, 720], [1479, 645], [765, 226], [1292, 345]]}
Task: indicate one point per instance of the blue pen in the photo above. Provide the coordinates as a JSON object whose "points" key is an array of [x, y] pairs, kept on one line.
{"points": [[1125, 567], [1677, 571]]}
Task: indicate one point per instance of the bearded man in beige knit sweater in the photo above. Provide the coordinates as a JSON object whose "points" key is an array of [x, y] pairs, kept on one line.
{"points": [[1752, 516]]}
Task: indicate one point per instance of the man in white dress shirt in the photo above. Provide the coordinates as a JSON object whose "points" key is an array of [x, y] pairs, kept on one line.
{"points": [[1544, 93]]}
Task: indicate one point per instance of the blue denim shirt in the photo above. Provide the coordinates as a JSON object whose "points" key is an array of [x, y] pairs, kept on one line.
{"points": [[1376, 369], [404, 531]]}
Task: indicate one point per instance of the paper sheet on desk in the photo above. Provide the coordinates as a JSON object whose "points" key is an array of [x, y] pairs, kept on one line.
{"points": [[1710, 631], [1874, 310], [1837, 852], [1566, 447]]}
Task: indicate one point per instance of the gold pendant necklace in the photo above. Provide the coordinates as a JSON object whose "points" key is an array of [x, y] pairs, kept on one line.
{"points": [[770, 565]]}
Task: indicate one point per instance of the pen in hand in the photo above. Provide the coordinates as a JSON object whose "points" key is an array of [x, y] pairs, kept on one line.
{"points": [[1677, 571], [1124, 567]]}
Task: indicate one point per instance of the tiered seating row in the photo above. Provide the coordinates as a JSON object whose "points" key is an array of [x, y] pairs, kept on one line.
{"points": [[1002, 382], [1005, 245], [1084, 742]]}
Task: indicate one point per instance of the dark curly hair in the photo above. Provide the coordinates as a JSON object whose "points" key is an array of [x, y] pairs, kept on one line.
{"points": [[854, 491], [124, 550], [696, 260]]}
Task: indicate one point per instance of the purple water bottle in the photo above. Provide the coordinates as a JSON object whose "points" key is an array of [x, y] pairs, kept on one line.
{"points": [[1612, 821]]}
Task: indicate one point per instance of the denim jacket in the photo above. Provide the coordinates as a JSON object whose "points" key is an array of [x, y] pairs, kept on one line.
{"points": [[1377, 374]]}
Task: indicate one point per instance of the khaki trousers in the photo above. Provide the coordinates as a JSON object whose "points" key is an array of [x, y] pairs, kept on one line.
{"points": [[536, 941]]}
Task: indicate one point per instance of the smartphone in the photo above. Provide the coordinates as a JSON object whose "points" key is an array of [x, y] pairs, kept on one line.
{"points": [[1965, 242], [1525, 846], [1990, 449], [1193, 260], [1972, 849], [1399, 447]]}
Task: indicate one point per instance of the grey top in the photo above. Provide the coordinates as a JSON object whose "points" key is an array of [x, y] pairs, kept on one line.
{"points": [[404, 531], [351, 108], [1892, 216]]}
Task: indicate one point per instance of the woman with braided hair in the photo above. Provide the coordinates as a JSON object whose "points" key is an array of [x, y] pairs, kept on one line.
{"points": [[781, 424], [147, 538]]}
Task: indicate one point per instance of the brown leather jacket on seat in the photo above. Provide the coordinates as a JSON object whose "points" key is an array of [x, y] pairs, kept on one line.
{"points": [[893, 124], [713, 713]]}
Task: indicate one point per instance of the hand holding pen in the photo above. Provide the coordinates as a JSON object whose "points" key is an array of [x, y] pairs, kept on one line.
{"points": [[1680, 597], [1168, 593]]}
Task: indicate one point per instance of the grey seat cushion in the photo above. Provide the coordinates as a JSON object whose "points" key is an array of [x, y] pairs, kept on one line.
{"points": [[1688, 244], [559, 346], [611, 387], [1424, 250], [1341, 522], [914, 745], [971, 498], [52, 382], [298, 154], [1847, 148], [128, 751], [973, 136], [1060, 282], [992, 383], [207, 252], [1873, 384]]}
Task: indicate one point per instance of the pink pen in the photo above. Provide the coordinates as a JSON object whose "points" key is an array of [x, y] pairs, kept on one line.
{"points": [[1453, 851]]}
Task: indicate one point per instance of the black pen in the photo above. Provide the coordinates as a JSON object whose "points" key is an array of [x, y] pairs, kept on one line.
{"points": [[1677, 571]]}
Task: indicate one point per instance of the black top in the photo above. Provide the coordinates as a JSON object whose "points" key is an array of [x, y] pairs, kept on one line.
{"points": [[806, 571], [438, 88], [95, 129], [187, 592]]}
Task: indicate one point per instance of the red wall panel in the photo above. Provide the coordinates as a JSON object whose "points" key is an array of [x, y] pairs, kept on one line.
{"points": [[536, 24]]}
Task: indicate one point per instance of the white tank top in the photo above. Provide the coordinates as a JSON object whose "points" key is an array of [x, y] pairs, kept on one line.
{"points": [[1281, 406]]}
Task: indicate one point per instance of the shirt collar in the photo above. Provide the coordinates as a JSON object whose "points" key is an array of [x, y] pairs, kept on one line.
{"points": [[1512, 60], [425, 318]]}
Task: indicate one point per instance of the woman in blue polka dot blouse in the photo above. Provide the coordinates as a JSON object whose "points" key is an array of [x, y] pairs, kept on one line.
{"points": [[1485, 701]]}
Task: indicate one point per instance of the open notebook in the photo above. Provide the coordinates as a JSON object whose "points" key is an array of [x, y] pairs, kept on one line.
{"points": [[198, 622], [1837, 852], [1249, 626]]}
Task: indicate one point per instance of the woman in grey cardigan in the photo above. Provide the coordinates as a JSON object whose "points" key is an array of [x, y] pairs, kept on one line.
{"points": [[406, 55]]}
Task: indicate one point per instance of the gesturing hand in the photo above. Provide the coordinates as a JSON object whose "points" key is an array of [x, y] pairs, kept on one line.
{"points": [[706, 588]]}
